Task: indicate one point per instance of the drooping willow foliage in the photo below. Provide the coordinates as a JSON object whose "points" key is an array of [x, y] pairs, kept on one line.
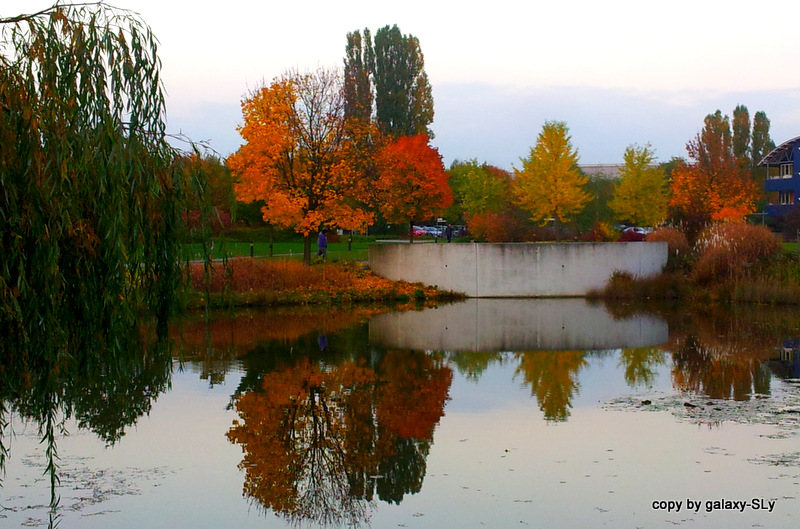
{"points": [[92, 207]]}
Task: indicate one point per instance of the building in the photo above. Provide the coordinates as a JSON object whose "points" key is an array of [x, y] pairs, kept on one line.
{"points": [[782, 183], [605, 170]]}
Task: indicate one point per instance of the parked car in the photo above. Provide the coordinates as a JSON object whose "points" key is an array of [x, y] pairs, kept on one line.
{"points": [[633, 233], [419, 231], [433, 231]]}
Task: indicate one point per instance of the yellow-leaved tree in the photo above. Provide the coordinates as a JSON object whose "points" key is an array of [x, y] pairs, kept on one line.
{"points": [[299, 158], [640, 196], [550, 185]]}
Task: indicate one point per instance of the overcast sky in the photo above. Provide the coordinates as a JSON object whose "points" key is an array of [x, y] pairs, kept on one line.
{"points": [[617, 72]]}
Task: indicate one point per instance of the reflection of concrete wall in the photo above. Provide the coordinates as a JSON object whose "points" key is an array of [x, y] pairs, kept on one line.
{"points": [[517, 270], [515, 325]]}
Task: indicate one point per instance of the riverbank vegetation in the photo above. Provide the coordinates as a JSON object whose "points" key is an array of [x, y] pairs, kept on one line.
{"points": [[729, 262]]}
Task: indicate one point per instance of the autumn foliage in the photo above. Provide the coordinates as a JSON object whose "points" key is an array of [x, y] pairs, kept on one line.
{"points": [[732, 250], [298, 157], [549, 185], [313, 432], [413, 182], [263, 282], [716, 184]]}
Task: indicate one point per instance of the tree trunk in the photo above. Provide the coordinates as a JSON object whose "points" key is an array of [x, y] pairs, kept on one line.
{"points": [[271, 239], [557, 229], [410, 231], [307, 249]]}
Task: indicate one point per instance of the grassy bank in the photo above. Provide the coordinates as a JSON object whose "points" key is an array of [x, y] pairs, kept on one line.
{"points": [[263, 282]]}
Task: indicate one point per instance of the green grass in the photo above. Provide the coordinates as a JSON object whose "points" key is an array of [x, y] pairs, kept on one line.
{"points": [[337, 251]]}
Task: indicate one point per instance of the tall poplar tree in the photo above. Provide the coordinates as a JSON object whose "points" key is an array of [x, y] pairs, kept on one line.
{"points": [[762, 144], [741, 137], [396, 66], [358, 63]]}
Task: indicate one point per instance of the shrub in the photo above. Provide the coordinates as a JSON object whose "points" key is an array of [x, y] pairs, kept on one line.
{"points": [[265, 282], [732, 250], [601, 231], [679, 251]]}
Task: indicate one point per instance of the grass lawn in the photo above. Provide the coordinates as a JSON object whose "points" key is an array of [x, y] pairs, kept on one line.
{"points": [[337, 251]]}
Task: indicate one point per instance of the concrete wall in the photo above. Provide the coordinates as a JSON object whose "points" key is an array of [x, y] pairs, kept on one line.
{"points": [[563, 324], [516, 269]]}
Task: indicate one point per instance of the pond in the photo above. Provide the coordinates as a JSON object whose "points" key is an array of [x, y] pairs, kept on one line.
{"points": [[486, 413]]}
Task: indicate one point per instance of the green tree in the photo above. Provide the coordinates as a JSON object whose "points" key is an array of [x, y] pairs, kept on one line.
{"points": [[91, 196], [741, 137], [92, 202], [762, 144], [597, 211], [359, 62], [396, 67], [483, 197], [477, 188], [640, 197], [550, 185]]}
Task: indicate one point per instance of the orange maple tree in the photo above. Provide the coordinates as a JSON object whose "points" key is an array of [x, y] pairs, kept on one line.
{"points": [[412, 182], [297, 156], [713, 185]]}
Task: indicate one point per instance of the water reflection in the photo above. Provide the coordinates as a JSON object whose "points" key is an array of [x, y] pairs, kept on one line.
{"points": [[336, 411], [517, 325], [324, 432], [105, 393]]}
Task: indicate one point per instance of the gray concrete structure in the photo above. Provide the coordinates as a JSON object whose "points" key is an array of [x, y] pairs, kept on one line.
{"points": [[565, 324], [517, 269]]}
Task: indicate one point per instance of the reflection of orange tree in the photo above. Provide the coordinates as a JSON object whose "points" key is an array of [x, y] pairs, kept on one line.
{"points": [[217, 343], [717, 372], [722, 354], [317, 441], [239, 333], [410, 406], [553, 377]]}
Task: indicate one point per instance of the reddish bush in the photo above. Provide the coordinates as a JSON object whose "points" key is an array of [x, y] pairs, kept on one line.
{"points": [[732, 250], [678, 248]]}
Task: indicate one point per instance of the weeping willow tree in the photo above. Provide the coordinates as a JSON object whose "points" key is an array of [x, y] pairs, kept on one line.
{"points": [[92, 204]]}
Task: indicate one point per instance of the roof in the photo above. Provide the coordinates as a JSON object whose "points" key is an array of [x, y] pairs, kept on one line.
{"points": [[781, 153], [609, 170]]}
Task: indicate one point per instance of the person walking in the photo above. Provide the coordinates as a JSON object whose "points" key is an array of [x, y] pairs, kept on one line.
{"points": [[448, 232], [322, 244]]}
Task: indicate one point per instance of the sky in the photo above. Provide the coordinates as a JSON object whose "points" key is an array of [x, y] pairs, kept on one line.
{"points": [[619, 72]]}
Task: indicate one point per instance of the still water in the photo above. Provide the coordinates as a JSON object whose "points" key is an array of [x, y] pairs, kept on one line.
{"points": [[488, 413]]}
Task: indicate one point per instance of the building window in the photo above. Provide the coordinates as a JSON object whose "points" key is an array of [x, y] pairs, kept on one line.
{"points": [[786, 198], [786, 170]]}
